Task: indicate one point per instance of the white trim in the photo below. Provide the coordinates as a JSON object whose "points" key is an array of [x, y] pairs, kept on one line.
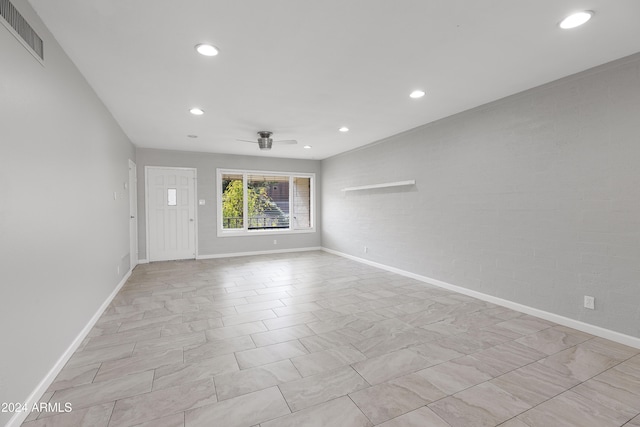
{"points": [[133, 211], [42, 387], [384, 185], [275, 251], [143, 261], [552, 317], [220, 232]]}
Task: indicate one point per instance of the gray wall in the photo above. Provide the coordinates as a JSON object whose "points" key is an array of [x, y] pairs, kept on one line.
{"points": [[206, 164], [534, 198], [62, 234]]}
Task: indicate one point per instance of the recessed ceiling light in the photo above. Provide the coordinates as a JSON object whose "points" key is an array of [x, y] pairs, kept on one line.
{"points": [[417, 94], [207, 49], [192, 136], [196, 111], [307, 147], [344, 129], [576, 19]]}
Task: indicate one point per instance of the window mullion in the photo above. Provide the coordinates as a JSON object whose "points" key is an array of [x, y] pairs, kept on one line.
{"points": [[245, 203], [292, 208]]}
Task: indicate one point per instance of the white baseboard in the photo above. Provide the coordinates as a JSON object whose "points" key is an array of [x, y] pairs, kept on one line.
{"points": [[556, 318], [41, 388], [143, 261], [275, 251]]}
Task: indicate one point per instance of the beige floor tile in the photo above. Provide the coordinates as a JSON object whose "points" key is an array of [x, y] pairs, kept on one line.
{"points": [[235, 331], [326, 360], [180, 373], [258, 306], [281, 335], [396, 397], [383, 344], [175, 420], [74, 376], [217, 348], [553, 340], [122, 338], [348, 321], [107, 391], [163, 344], [483, 405], [534, 383], [383, 368], [582, 361], [286, 321], [569, 410], [158, 404], [634, 422], [252, 316], [246, 410], [506, 357], [514, 422], [189, 327], [328, 340], [89, 357], [322, 387], [337, 412], [455, 375], [317, 328], [249, 380], [269, 354], [150, 323], [617, 389], [94, 416], [421, 417], [129, 365], [436, 353]]}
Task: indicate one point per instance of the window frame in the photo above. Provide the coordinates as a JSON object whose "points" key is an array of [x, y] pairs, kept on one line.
{"points": [[245, 231]]}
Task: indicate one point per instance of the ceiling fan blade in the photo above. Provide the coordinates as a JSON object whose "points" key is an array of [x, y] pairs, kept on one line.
{"points": [[286, 141], [246, 140]]}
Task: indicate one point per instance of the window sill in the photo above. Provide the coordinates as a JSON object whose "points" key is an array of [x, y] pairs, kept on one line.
{"points": [[254, 233]]}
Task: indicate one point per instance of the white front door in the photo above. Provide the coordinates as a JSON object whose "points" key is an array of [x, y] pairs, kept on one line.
{"points": [[171, 213], [133, 215]]}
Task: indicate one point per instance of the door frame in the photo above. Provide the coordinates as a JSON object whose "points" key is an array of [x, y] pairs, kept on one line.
{"points": [[133, 214], [146, 205]]}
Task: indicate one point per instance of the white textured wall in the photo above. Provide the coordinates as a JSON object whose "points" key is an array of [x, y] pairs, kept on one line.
{"points": [[62, 234], [534, 198], [206, 164]]}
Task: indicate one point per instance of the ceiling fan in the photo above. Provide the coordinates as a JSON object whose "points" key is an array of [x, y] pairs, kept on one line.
{"points": [[265, 142]]}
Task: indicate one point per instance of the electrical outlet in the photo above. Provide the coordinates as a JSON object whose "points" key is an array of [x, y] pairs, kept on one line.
{"points": [[366, 250], [118, 270], [589, 302], [275, 242]]}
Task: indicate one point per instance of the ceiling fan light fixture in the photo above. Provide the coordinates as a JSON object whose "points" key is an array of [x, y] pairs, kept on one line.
{"points": [[417, 94], [196, 111], [344, 129], [307, 147], [207, 49], [576, 19]]}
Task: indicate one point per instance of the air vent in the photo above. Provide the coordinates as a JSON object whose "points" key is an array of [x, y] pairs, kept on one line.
{"points": [[13, 20]]}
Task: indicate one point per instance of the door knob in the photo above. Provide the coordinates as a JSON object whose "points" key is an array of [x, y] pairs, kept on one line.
{"points": [[132, 216]]}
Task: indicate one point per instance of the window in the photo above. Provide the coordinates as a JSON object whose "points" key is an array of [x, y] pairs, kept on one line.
{"points": [[262, 202]]}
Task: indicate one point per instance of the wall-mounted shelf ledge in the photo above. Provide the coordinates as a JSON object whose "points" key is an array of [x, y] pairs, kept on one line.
{"points": [[384, 185]]}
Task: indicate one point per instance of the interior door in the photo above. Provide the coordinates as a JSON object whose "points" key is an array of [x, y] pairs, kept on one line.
{"points": [[171, 213], [133, 215]]}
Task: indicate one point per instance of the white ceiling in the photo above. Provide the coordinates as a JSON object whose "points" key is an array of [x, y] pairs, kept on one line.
{"points": [[304, 68]]}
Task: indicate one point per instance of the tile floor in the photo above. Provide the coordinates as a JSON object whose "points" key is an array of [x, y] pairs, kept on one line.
{"points": [[311, 339]]}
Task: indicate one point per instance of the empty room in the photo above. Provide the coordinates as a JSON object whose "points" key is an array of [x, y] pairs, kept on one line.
{"points": [[333, 213]]}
